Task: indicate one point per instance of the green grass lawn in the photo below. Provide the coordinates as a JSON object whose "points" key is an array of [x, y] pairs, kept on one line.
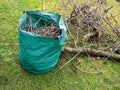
{"points": [[13, 77]]}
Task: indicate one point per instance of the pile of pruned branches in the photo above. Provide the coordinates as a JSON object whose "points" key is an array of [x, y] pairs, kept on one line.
{"points": [[51, 30], [93, 30], [95, 24]]}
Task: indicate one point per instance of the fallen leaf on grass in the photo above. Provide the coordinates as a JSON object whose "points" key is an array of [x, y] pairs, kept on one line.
{"points": [[79, 60], [63, 49], [100, 33], [74, 69], [93, 58]]}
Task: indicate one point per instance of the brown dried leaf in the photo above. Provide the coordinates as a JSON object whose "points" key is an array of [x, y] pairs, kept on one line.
{"points": [[93, 58], [63, 49], [100, 33], [74, 69], [79, 60]]}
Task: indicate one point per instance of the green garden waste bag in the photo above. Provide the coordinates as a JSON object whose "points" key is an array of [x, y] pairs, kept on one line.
{"points": [[39, 54]]}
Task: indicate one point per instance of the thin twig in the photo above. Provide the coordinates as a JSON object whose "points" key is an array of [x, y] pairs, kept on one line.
{"points": [[69, 61], [111, 53], [37, 22], [88, 71], [30, 23], [112, 26]]}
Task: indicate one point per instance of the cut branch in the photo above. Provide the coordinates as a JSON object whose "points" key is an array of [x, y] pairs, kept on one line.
{"points": [[94, 52], [88, 36], [112, 26]]}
